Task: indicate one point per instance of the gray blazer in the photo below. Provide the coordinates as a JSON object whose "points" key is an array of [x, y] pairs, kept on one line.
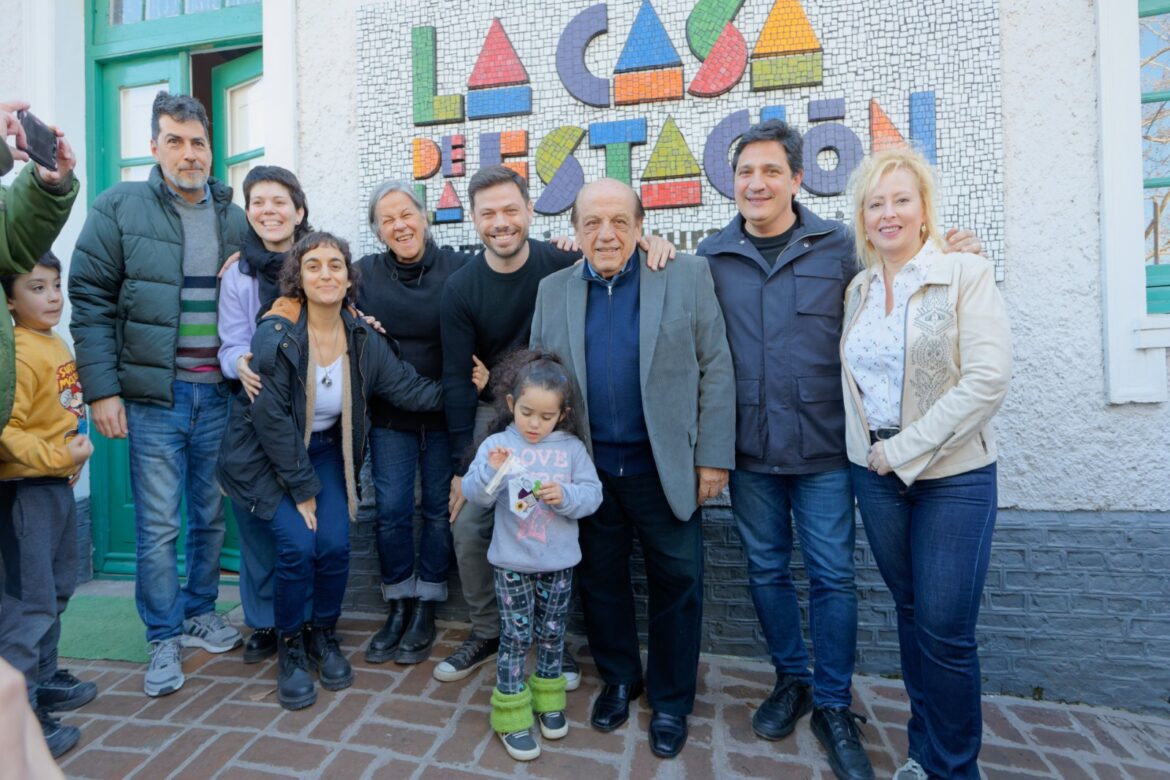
{"points": [[688, 386]]}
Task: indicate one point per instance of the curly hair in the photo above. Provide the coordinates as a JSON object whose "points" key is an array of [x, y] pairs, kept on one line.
{"points": [[290, 272], [523, 368]]}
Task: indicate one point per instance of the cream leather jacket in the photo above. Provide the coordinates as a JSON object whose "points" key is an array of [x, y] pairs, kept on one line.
{"points": [[958, 362]]}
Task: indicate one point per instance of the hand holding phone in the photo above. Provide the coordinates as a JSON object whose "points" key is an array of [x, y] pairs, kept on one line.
{"points": [[40, 140]]}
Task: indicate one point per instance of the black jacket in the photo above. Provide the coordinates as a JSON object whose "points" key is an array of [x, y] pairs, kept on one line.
{"points": [[784, 326], [405, 297], [263, 455]]}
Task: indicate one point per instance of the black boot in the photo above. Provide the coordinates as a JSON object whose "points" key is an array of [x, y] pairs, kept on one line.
{"points": [[420, 635], [384, 643], [325, 656], [294, 687]]}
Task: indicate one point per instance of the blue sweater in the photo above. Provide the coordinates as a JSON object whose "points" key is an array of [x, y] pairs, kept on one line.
{"points": [[617, 425]]}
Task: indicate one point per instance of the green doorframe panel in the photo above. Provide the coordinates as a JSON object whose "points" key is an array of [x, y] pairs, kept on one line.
{"points": [[223, 78], [131, 55]]}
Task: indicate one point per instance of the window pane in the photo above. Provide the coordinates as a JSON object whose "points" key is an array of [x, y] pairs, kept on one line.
{"points": [[236, 174], [125, 11], [1155, 140], [160, 9], [245, 122], [230, 3], [196, 6], [136, 173], [136, 106], [1155, 53]]}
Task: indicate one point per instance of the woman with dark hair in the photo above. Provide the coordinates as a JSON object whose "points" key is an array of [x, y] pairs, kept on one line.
{"points": [[293, 455], [401, 287], [278, 214]]}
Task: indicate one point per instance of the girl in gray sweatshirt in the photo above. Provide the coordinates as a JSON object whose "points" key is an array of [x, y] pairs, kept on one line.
{"points": [[540, 479]]}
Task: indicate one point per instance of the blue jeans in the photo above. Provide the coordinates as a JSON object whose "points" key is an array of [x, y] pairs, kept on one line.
{"points": [[766, 506], [396, 456], [257, 567], [932, 544], [308, 560], [172, 456]]}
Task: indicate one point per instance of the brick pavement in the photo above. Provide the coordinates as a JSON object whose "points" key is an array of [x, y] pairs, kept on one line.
{"points": [[398, 722]]}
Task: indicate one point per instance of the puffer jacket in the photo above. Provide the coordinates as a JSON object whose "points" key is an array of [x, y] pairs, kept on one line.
{"points": [[958, 361], [32, 213], [125, 282], [264, 453], [783, 325]]}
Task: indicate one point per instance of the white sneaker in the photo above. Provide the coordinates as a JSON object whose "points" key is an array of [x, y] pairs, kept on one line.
{"points": [[165, 674], [553, 725], [911, 770], [211, 632], [571, 671]]}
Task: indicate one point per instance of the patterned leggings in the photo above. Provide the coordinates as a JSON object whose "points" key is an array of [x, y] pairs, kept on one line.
{"points": [[531, 605]]}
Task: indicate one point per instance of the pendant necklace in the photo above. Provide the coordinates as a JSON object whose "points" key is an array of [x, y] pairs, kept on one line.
{"points": [[326, 380]]}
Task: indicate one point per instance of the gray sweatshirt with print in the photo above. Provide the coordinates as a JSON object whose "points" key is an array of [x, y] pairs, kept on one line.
{"points": [[546, 538]]}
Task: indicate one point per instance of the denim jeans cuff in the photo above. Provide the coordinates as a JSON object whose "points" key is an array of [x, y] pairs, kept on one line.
{"points": [[430, 591], [400, 590]]}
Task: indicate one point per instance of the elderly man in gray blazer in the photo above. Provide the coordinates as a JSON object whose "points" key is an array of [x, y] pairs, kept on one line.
{"points": [[653, 373]]}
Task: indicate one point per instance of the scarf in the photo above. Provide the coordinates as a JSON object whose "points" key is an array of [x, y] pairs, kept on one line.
{"points": [[256, 261]]}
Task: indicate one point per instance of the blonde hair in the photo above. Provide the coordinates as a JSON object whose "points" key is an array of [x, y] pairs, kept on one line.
{"points": [[866, 178]]}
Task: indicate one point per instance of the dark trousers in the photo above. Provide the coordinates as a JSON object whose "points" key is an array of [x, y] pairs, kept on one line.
{"points": [[38, 542], [674, 576], [308, 561], [932, 544]]}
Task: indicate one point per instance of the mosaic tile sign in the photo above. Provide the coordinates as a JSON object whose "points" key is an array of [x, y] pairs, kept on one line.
{"points": [[656, 93]]}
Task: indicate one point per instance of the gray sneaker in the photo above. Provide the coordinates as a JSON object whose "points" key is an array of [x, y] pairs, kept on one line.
{"points": [[211, 632], [165, 674]]}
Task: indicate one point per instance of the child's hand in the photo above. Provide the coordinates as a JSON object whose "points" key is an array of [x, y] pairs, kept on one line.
{"points": [[551, 494], [497, 456], [79, 448]]}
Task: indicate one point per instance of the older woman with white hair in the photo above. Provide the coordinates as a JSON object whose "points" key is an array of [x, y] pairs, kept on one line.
{"points": [[926, 358], [401, 287]]}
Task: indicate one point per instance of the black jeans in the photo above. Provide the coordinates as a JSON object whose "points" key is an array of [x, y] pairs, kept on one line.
{"points": [[38, 541], [673, 550]]}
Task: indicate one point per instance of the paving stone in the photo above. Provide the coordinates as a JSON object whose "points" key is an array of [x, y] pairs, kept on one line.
{"points": [[119, 705], [768, 766], [297, 755], [1043, 716], [242, 715], [164, 763], [97, 764], [1016, 758], [345, 712], [349, 764], [212, 757], [141, 737], [395, 738], [419, 713], [462, 745], [166, 707], [1068, 768], [1064, 739], [996, 722]]}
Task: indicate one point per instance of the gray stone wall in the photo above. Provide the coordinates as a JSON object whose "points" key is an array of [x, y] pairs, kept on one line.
{"points": [[1076, 606]]}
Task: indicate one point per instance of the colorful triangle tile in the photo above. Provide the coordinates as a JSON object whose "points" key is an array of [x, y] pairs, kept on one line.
{"points": [[882, 132], [787, 31], [648, 45], [498, 64], [671, 158], [449, 200]]}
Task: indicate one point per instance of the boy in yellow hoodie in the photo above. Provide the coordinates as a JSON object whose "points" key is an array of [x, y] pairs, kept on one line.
{"points": [[42, 450]]}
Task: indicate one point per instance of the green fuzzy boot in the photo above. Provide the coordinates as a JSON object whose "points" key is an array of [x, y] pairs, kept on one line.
{"points": [[548, 694], [511, 712]]}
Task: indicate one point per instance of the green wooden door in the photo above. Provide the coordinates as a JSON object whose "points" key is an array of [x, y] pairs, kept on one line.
{"points": [[123, 109]]}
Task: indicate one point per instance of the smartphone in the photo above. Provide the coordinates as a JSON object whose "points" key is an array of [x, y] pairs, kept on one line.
{"points": [[42, 141]]}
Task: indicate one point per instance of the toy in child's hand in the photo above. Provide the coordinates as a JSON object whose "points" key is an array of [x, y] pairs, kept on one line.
{"points": [[498, 456], [522, 495], [551, 494]]}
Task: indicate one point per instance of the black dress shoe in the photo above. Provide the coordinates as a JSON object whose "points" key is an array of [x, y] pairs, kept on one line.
{"points": [[668, 734], [611, 708]]}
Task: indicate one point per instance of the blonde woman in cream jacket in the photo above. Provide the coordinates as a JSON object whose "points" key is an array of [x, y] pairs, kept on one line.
{"points": [[926, 358]]}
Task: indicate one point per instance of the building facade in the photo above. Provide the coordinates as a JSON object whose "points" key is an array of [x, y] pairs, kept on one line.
{"points": [[1032, 115]]}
